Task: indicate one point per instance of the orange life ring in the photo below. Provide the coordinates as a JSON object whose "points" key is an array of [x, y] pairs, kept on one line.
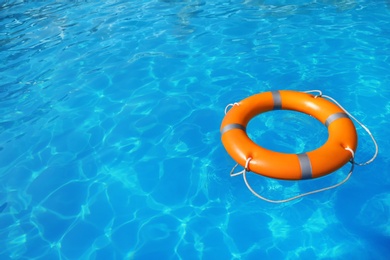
{"points": [[331, 156]]}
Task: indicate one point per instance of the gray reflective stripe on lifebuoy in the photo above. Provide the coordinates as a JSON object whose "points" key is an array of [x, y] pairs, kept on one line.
{"points": [[232, 126], [334, 117], [277, 99], [305, 163]]}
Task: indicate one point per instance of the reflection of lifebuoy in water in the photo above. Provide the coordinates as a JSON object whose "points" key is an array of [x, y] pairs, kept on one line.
{"points": [[337, 150]]}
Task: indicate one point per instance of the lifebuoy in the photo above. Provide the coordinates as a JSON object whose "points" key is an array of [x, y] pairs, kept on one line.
{"points": [[337, 150]]}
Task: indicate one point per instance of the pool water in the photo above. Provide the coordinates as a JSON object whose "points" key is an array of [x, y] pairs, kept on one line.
{"points": [[110, 145]]}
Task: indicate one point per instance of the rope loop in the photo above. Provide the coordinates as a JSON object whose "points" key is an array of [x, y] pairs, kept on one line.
{"points": [[353, 154], [315, 90], [246, 169], [247, 164], [231, 105]]}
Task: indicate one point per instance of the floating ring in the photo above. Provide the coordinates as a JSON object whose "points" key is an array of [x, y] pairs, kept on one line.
{"points": [[342, 137]]}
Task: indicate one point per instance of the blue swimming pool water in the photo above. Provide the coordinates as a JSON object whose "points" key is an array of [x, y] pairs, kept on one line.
{"points": [[110, 145]]}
